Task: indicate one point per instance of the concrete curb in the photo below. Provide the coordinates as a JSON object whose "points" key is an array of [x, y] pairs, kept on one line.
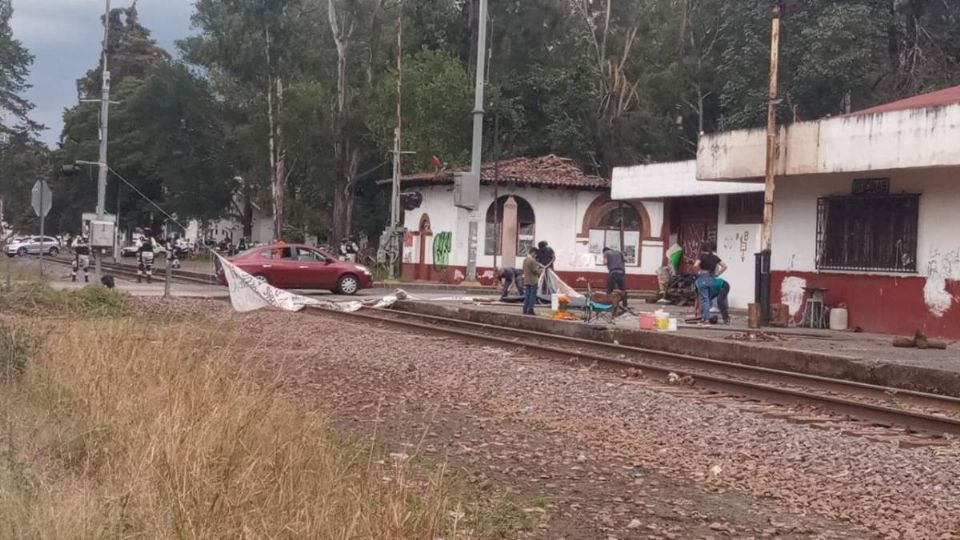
{"points": [[826, 365]]}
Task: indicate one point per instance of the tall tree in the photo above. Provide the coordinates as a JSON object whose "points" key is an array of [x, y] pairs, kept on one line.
{"points": [[15, 63], [355, 26], [256, 45]]}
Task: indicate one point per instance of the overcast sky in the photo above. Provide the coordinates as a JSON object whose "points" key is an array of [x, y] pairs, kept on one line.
{"points": [[65, 37]]}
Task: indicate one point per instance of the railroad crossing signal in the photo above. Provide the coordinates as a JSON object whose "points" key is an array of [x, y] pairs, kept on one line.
{"points": [[41, 198]]}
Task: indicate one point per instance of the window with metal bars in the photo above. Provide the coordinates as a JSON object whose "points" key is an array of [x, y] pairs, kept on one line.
{"points": [[871, 233]]}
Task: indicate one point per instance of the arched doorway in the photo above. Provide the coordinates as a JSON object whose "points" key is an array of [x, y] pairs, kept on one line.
{"points": [[619, 225], [424, 235], [526, 226]]}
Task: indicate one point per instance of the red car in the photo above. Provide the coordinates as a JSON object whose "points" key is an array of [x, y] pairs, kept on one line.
{"points": [[299, 266]]}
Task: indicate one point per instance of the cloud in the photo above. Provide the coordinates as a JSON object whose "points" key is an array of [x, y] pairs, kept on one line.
{"points": [[65, 38]]}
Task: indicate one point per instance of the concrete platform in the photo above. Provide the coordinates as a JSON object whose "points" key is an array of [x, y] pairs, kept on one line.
{"points": [[868, 358]]}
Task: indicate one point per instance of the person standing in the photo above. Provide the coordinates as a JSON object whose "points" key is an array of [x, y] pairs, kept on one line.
{"points": [[81, 258], [707, 267], [531, 274], [616, 271], [510, 276], [546, 257], [145, 254]]}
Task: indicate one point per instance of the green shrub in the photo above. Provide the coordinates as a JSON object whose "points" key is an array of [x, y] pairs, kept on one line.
{"points": [[42, 299]]}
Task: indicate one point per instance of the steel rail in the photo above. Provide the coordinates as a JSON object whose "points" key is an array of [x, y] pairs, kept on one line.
{"points": [[884, 415]]}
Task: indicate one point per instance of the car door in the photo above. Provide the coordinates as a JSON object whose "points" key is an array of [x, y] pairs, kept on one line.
{"points": [[315, 271], [277, 266], [33, 248]]}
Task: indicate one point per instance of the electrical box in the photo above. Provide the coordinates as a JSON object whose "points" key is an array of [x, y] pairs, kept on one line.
{"points": [[101, 234], [466, 190]]}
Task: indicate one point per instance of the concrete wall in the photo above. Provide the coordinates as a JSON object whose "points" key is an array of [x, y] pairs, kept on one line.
{"points": [[737, 246], [673, 179], [878, 301], [915, 138]]}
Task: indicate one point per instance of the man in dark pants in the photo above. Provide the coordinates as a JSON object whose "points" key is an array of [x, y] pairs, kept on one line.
{"points": [[617, 271], [721, 290], [510, 276], [531, 274]]}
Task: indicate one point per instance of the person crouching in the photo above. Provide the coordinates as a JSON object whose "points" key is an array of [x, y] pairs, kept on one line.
{"points": [[510, 276]]}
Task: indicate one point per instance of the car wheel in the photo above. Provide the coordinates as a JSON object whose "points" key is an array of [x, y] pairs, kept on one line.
{"points": [[54, 252], [22, 252], [348, 284]]}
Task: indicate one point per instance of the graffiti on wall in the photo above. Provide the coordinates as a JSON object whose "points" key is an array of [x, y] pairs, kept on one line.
{"points": [[733, 243], [941, 266], [442, 245]]}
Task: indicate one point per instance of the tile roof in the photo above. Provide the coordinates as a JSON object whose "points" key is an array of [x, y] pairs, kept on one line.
{"points": [[546, 171], [940, 98]]}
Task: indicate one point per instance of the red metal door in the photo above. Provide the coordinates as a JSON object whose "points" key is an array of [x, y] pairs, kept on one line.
{"points": [[697, 222]]}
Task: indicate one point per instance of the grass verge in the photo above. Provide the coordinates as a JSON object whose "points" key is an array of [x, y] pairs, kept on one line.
{"points": [[37, 298], [117, 428]]}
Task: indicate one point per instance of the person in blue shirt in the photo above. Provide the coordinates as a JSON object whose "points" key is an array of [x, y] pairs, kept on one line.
{"points": [[510, 276], [721, 290]]}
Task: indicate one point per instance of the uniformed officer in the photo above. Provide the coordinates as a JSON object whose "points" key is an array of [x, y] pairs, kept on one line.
{"points": [[81, 257], [145, 254]]}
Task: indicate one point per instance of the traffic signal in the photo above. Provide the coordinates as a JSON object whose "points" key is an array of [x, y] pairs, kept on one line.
{"points": [[411, 200]]}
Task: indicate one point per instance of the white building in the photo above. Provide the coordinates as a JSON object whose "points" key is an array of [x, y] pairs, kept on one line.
{"points": [[867, 206], [555, 201], [232, 229], [727, 213]]}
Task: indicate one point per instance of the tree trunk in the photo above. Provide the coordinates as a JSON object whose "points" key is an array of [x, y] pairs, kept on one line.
{"points": [[247, 219], [347, 162], [278, 156]]}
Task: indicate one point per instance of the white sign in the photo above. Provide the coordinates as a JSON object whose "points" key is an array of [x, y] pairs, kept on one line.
{"points": [[41, 198]]}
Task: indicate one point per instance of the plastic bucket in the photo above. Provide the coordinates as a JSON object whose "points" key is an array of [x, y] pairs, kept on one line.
{"points": [[647, 321], [663, 324]]}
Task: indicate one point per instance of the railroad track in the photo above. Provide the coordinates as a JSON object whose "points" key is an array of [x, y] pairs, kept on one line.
{"points": [[904, 417], [130, 271]]}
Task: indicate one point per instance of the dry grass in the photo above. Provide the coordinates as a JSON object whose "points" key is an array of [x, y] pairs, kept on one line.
{"points": [[23, 270], [119, 428]]}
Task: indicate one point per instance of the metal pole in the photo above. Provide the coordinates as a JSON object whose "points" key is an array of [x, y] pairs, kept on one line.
{"points": [[397, 170], [104, 123], [168, 277], [771, 164], [477, 151], [42, 220]]}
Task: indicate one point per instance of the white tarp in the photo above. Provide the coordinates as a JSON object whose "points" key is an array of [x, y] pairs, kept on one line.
{"points": [[248, 293], [551, 283]]}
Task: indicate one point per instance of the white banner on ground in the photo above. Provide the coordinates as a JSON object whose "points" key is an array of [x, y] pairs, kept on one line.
{"points": [[248, 293]]}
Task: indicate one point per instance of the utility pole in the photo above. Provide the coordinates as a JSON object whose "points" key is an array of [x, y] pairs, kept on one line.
{"points": [[477, 151], [104, 122], [769, 186], [397, 170]]}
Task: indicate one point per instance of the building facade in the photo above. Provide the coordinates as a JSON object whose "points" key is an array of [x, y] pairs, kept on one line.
{"points": [[723, 212], [866, 207], [524, 201]]}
